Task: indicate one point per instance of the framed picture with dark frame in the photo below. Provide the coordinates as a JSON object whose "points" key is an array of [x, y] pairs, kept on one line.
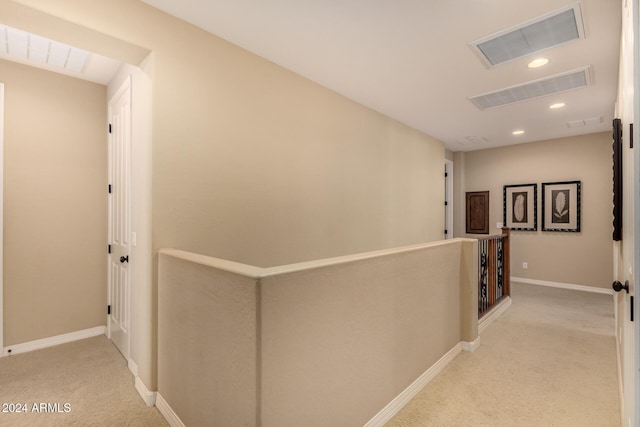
{"points": [[520, 207], [561, 206]]}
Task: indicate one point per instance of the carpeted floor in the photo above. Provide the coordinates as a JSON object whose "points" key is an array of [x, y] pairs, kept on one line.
{"points": [[550, 360], [84, 383]]}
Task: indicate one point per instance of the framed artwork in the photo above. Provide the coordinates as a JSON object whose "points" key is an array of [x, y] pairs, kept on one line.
{"points": [[520, 207], [477, 212], [561, 206]]}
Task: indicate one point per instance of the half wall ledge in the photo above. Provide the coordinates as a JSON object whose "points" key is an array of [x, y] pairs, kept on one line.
{"points": [[326, 342]]}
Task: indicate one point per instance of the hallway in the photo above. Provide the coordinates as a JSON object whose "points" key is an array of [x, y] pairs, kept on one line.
{"points": [[550, 360]]}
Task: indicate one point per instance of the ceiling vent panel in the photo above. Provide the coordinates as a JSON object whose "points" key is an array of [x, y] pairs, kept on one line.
{"points": [[534, 36], [555, 84]]}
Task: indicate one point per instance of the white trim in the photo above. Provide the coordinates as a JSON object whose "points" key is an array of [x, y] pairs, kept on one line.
{"points": [[561, 285], [52, 341], [471, 346], [619, 365], [409, 393], [133, 367], [166, 411], [149, 397], [253, 272], [495, 312]]}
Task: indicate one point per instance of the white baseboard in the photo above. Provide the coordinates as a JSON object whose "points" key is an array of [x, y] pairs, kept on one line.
{"points": [[133, 367], [149, 397], [409, 393], [495, 312], [166, 411], [471, 346], [561, 285], [51, 341]]}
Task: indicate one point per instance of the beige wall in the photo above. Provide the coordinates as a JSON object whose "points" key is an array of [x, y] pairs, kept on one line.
{"points": [[54, 204], [328, 342], [207, 344], [252, 162], [575, 258], [256, 164], [340, 342]]}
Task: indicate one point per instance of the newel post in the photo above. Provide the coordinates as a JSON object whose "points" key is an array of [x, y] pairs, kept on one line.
{"points": [[506, 248]]}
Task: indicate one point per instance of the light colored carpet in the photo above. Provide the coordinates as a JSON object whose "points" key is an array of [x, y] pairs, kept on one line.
{"points": [[89, 375], [550, 360]]}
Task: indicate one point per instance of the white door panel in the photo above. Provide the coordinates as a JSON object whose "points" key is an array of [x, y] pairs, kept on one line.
{"points": [[120, 218]]}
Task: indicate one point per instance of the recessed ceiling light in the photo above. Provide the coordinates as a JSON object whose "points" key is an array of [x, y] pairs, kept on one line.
{"points": [[538, 62], [557, 105], [517, 132]]}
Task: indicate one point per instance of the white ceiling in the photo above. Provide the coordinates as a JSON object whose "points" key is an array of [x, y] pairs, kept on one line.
{"points": [[410, 59]]}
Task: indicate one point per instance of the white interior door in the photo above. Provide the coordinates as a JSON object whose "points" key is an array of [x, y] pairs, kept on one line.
{"points": [[119, 283]]}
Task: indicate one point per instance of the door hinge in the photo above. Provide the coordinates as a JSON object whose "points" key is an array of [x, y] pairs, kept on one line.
{"points": [[109, 188], [446, 174], [109, 249], [446, 232], [109, 309], [109, 127], [446, 203]]}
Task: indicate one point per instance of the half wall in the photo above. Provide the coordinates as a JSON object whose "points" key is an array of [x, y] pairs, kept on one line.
{"points": [[327, 342]]}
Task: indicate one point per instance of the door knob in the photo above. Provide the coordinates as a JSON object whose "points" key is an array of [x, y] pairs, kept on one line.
{"points": [[124, 259], [617, 286]]}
